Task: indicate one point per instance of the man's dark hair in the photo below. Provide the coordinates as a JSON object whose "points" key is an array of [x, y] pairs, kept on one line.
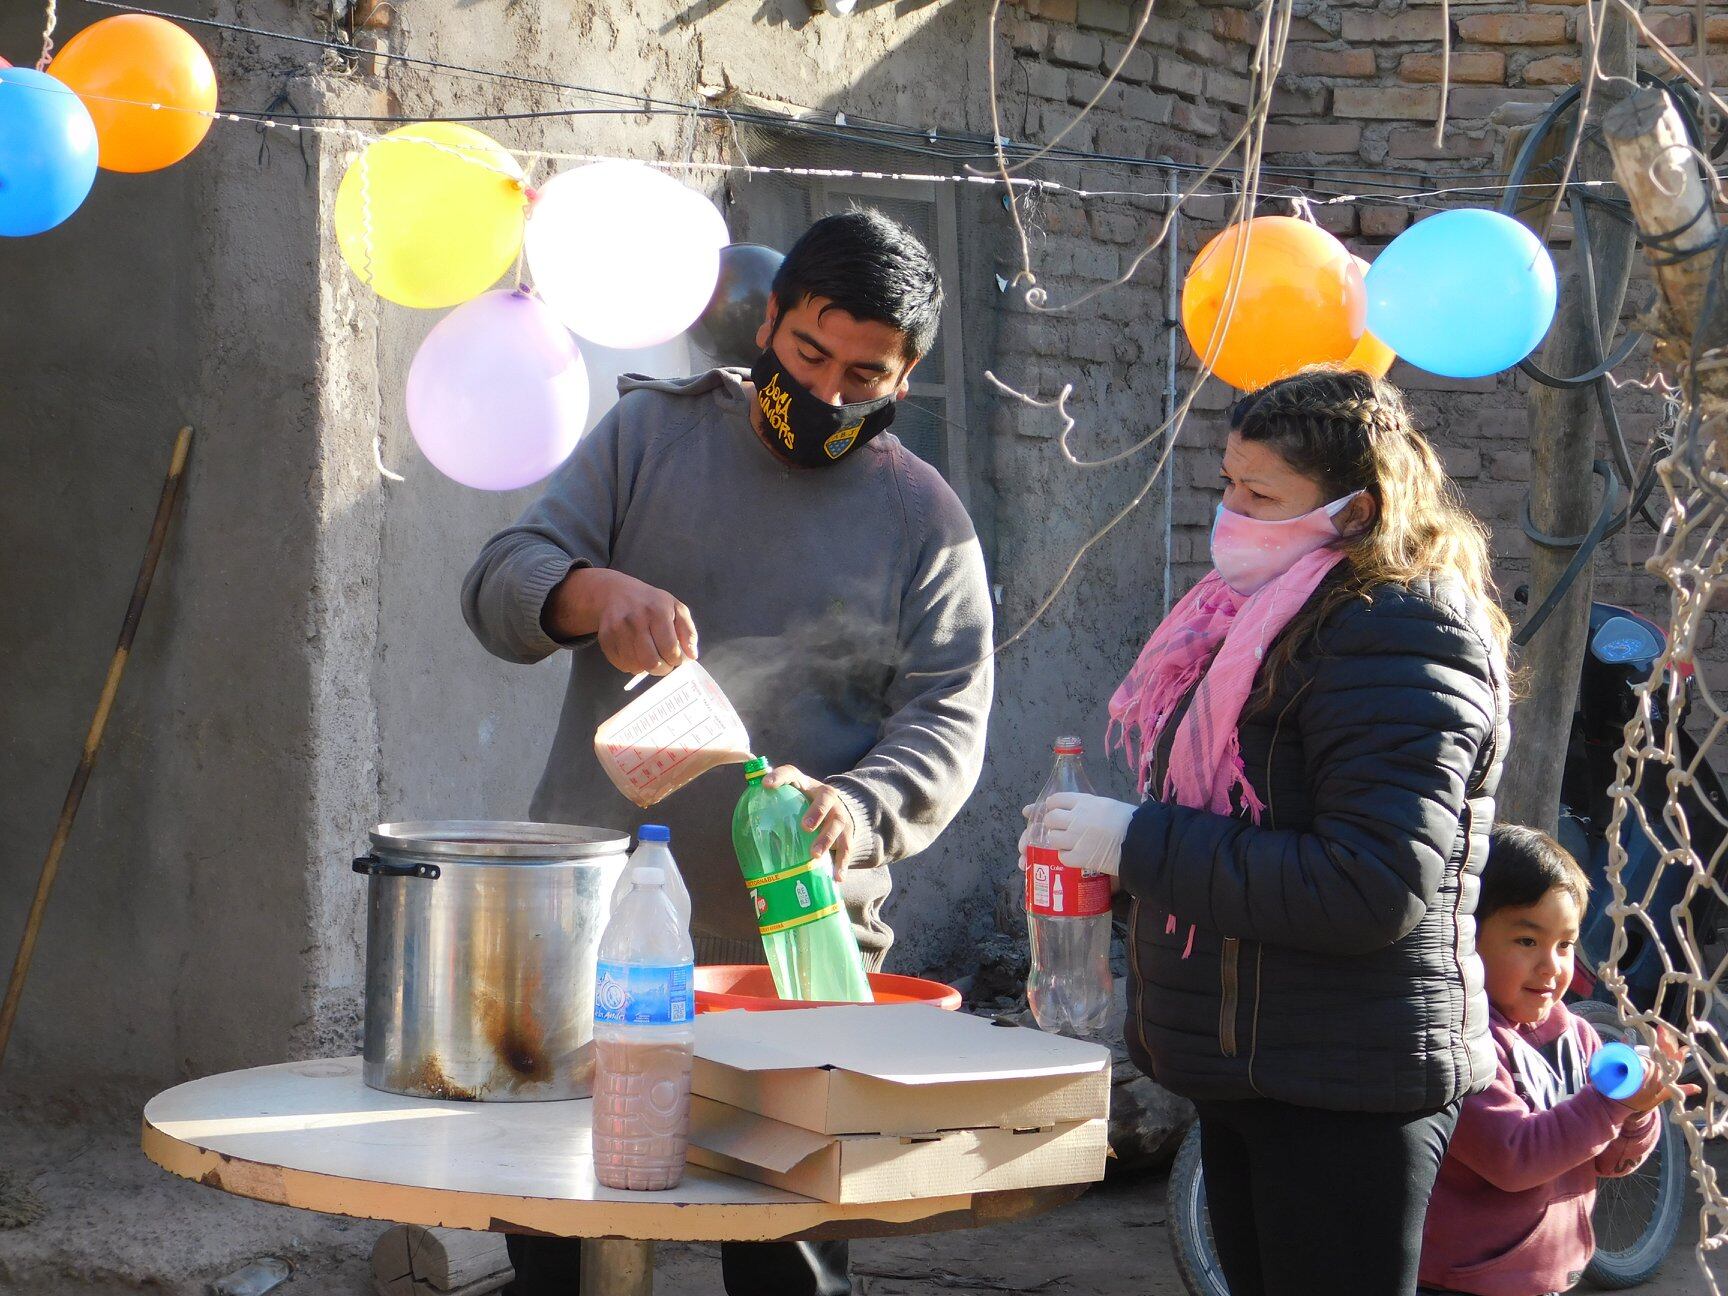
{"points": [[871, 267], [1523, 866]]}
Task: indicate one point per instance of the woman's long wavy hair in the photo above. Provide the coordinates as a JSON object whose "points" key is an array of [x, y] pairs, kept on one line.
{"points": [[1351, 432]]}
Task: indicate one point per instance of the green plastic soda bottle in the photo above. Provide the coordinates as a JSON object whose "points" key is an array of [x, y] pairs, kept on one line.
{"points": [[811, 947]]}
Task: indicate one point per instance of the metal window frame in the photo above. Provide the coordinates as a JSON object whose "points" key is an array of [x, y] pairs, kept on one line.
{"points": [[828, 195]]}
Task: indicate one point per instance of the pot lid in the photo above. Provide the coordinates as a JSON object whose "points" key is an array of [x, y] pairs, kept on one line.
{"points": [[497, 839]]}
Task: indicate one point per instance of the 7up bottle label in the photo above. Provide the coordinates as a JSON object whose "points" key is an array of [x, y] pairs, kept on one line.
{"points": [[794, 897]]}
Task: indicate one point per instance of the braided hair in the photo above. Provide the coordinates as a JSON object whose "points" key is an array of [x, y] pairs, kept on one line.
{"points": [[1351, 432]]}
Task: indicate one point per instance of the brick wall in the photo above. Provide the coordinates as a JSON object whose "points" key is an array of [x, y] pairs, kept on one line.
{"points": [[1360, 91], [1368, 81]]}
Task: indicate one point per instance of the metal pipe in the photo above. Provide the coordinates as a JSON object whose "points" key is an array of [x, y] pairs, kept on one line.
{"points": [[1172, 262]]}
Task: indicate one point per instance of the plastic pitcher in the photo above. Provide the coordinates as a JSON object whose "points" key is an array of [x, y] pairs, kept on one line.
{"points": [[679, 728]]}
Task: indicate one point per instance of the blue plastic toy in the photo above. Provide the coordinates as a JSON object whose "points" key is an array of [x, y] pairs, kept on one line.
{"points": [[1617, 1071]]}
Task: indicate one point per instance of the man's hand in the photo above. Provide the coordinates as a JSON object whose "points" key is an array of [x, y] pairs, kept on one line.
{"points": [[827, 817], [640, 628]]}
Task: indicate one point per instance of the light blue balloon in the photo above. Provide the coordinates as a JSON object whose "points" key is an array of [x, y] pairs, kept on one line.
{"points": [[1463, 294], [47, 152]]}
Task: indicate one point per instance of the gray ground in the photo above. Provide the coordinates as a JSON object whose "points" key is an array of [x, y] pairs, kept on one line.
{"points": [[112, 1223]]}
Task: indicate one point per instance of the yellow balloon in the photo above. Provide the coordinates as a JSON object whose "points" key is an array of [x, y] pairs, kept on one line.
{"points": [[430, 215], [1371, 356]]}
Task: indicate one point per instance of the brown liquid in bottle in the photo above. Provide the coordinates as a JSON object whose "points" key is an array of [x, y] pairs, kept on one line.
{"points": [[641, 1113]]}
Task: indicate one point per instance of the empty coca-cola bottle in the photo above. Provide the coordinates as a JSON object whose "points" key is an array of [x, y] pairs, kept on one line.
{"points": [[1067, 918]]}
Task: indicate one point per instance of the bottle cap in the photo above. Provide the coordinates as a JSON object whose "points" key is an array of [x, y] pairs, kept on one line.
{"points": [[1069, 747], [653, 833], [755, 768], [648, 875]]}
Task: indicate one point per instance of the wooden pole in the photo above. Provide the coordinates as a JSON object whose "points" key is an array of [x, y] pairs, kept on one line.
{"points": [[1674, 207], [1563, 425], [93, 739], [617, 1267]]}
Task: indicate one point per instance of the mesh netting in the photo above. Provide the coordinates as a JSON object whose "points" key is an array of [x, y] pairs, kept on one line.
{"points": [[1669, 831]]}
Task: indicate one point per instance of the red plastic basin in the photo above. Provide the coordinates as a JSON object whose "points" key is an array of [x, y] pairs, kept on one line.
{"points": [[750, 987]]}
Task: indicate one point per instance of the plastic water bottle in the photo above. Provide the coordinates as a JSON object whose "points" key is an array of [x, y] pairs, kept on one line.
{"points": [[806, 935], [644, 1038], [1067, 919], [1617, 1071], [654, 846]]}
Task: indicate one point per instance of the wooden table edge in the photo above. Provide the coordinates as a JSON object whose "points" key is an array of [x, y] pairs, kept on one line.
{"points": [[555, 1217]]}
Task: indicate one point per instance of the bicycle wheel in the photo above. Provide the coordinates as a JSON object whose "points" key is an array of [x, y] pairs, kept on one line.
{"points": [[1636, 1218], [1190, 1226]]}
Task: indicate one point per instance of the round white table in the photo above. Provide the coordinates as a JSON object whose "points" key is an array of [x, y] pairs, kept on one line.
{"points": [[312, 1135]]}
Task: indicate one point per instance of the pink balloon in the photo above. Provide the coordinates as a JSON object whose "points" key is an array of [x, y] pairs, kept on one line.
{"points": [[498, 392], [4, 63]]}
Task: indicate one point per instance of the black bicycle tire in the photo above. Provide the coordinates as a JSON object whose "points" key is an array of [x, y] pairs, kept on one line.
{"points": [[1185, 1209], [1633, 1266]]}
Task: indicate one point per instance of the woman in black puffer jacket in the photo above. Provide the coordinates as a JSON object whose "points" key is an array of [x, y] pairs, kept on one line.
{"points": [[1318, 728]]}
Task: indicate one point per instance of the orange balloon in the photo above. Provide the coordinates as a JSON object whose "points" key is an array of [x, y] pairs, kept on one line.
{"points": [[1299, 301], [1371, 356], [124, 65]]}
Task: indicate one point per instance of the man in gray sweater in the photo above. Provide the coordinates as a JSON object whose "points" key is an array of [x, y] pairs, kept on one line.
{"points": [[826, 577]]}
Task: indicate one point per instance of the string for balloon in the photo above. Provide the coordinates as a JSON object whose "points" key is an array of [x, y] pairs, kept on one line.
{"points": [[1268, 59], [365, 163], [855, 127], [331, 127], [1445, 73], [529, 195], [51, 19], [1263, 72], [365, 273], [378, 457]]}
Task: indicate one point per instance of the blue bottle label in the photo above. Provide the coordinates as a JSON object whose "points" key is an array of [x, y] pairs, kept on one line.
{"points": [[627, 994]]}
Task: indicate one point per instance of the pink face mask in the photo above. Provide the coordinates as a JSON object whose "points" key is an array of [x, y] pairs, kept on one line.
{"points": [[1249, 553]]}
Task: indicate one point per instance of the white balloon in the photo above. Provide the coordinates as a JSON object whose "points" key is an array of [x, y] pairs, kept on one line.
{"points": [[626, 256]]}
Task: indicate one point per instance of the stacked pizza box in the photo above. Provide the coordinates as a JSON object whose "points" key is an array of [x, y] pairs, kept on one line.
{"points": [[895, 1101]]}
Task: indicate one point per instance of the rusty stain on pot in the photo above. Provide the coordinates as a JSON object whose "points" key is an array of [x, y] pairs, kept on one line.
{"points": [[429, 1079], [516, 1036]]}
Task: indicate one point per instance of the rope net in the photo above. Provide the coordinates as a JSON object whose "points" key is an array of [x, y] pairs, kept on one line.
{"points": [[1668, 832]]}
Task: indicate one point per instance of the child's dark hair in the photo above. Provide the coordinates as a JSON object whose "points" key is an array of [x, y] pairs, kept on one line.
{"points": [[1523, 866], [871, 267]]}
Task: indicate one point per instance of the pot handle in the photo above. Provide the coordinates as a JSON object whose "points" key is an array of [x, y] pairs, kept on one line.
{"points": [[372, 866]]}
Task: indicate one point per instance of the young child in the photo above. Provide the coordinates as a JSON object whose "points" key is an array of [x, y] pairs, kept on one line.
{"points": [[1510, 1214]]}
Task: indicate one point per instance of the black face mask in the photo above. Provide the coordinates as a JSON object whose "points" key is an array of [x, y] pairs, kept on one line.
{"points": [[807, 431]]}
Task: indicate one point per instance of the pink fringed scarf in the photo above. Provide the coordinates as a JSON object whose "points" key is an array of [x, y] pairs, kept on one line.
{"points": [[1216, 639]]}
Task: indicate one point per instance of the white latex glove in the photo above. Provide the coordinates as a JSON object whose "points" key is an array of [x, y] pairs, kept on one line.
{"points": [[1025, 835], [1087, 831]]}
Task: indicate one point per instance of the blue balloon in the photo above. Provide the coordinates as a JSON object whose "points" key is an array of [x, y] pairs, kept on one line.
{"points": [[1463, 294], [47, 152]]}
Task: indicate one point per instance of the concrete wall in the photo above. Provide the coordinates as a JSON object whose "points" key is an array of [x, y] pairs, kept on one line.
{"points": [[185, 297]]}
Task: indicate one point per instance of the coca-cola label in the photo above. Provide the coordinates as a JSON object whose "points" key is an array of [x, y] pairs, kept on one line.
{"points": [[1057, 890]]}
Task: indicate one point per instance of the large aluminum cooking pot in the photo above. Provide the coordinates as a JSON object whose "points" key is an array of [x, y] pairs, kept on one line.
{"points": [[481, 939]]}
